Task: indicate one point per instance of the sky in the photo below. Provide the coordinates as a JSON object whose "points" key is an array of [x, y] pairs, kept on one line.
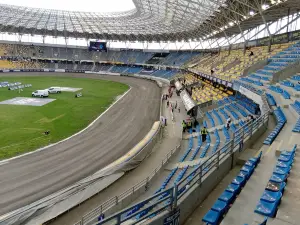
{"points": [[76, 5]]}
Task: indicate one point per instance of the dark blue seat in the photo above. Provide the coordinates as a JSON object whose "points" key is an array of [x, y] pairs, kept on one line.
{"points": [[227, 197], [211, 217]]}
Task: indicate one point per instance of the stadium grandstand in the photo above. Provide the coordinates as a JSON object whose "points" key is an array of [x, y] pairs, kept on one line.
{"points": [[225, 110]]}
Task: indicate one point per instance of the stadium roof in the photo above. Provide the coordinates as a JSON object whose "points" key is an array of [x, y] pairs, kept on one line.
{"points": [[151, 20]]}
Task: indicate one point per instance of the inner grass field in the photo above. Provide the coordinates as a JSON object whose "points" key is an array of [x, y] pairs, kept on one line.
{"points": [[22, 127]]}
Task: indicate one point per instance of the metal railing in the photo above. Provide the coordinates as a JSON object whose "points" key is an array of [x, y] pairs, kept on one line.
{"points": [[167, 199], [114, 201]]}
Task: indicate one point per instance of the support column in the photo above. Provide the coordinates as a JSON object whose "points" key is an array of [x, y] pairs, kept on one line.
{"points": [[268, 29], [287, 27]]}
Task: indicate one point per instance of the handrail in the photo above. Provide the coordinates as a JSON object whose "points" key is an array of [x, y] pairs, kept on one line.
{"points": [[112, 201], [197, 175]]}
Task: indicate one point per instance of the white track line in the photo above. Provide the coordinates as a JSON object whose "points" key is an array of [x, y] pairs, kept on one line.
{"points": [[48, 146]]}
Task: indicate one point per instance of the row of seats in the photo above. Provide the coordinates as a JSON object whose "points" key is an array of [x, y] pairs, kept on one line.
{"points": [[215, 112], [271, 197], [280, 120], [233, 113], [231, 65], [209, 92], [255, 82], [271, 99], [276, 63], [296, 107], [279, 90], [226, 199], [245, 103], [172, 59]]}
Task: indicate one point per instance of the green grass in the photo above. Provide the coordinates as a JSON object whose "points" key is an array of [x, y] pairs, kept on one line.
{"points": [[22, 127]]}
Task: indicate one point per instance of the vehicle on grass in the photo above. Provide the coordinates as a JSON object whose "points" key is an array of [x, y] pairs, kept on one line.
{"points": [[40, 93], [54, 90]]}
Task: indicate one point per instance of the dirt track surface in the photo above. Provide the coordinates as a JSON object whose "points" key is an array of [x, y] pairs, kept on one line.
{"points": [[32, 177]]}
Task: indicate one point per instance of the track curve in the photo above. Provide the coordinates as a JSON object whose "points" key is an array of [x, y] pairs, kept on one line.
{"points": [[32, 177]]}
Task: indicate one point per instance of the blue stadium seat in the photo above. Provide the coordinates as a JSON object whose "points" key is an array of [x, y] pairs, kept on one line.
{"points": [[212, 217], [281, 120], [227, 197], [267, 208]]}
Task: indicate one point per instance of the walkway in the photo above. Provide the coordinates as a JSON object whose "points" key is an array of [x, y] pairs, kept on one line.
{"points": [[171, 138]]}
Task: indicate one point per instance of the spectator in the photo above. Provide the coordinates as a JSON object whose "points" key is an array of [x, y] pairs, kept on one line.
{"points": [[228, 122]]}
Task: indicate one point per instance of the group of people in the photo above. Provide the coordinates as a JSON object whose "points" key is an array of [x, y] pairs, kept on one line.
{"points": [[173, 106], [228, 122], [186, 125]]}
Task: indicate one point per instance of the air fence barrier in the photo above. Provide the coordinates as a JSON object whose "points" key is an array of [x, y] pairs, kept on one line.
{"points": [[166, 200]]}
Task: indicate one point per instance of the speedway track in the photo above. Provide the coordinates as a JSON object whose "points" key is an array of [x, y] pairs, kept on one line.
{"points": [[29, 178]]}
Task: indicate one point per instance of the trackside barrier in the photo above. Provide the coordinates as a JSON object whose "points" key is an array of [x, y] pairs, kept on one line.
{"points": [[167, 199]]}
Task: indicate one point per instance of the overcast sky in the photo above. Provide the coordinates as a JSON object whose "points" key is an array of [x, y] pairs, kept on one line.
{"points": [[76, 5]]}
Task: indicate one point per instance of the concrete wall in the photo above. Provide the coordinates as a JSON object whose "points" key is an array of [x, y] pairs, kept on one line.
{"points": [[255, 67], [197, 194], [292, 69]]}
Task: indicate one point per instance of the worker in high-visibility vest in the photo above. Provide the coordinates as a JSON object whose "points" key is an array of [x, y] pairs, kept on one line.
{"points": [[204, 133], [183, 126], [189, 124]]}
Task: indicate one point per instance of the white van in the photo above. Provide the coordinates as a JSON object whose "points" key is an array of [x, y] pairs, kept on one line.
{"points": [[54, 90], [40, 93]]}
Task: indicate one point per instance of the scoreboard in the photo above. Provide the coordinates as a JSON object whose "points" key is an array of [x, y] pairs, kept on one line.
{"points": [[97, 46]]}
